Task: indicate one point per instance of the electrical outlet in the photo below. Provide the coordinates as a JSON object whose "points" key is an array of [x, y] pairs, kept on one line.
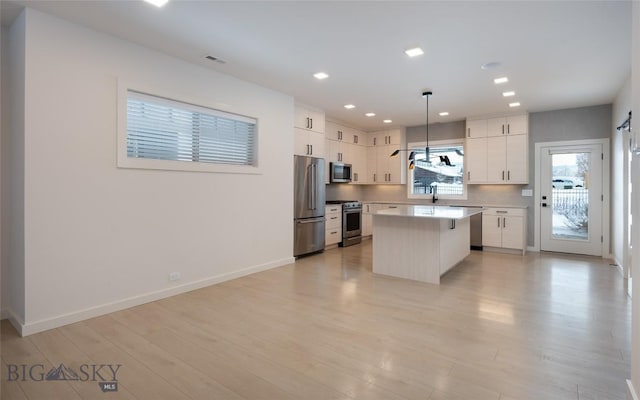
{"points": [[527, 192], [174, 276]]}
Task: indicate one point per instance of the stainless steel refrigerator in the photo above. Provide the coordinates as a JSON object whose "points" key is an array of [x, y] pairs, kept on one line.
{"points": [[309, 201]]}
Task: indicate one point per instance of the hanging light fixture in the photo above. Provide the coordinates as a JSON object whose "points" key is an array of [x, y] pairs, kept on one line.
{"points": [[413, 152]]}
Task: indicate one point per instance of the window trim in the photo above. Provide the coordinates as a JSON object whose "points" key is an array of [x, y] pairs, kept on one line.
{"points": [[123, 161], [437, 143]]}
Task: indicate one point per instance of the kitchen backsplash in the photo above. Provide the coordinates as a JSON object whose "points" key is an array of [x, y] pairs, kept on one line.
{"points": [[476, 194]]}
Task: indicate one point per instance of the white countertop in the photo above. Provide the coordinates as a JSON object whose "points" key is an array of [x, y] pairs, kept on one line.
{"points": [[437, 212]]}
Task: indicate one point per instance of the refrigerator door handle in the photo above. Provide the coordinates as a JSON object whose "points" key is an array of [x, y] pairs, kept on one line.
{"points": [[314, 169], [310, 187]]}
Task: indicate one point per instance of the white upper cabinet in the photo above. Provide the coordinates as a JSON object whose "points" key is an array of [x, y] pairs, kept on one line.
{"points": [[308, 135], [476, 160], [337, 132], [308, 119], [381, 167], [502, 157], [308, 143], [346, 145], [511, 125], [476, 128], [383, 138]]}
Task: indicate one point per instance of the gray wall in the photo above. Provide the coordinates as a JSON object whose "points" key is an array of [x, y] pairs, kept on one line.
{"points": [[571, 124], [592, 122]]}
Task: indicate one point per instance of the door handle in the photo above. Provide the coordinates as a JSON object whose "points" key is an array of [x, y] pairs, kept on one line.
{"points": [[543, 204], [311, 221]]}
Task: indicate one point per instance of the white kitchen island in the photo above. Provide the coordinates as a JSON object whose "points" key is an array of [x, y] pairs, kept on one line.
{"points": [[420, 242]]}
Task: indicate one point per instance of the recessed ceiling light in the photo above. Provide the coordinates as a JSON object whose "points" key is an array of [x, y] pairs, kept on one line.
{"points": [[414, 52], [491, 65], [504, 79], [387, 121], [444, 114], [320, 75], [370, 114], [157, 3], [349, 106], [516, 104], [508, 94]]}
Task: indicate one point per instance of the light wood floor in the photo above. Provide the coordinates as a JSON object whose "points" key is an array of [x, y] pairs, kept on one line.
{"points": [[498, 327]]}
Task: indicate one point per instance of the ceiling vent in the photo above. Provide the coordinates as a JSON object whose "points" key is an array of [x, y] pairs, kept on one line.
{"points": [[215, 59]]}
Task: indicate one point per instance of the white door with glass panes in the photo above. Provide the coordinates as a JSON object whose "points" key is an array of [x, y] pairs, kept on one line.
{"points": [[571, 199]]}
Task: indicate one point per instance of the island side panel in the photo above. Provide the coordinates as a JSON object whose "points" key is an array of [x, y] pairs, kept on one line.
{"points": [[407, 247], [455, 244]]}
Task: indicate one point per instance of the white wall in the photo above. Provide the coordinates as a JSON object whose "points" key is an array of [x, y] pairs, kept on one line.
{"points": [[99, 238], [13, 254], [635, 207], [619, 159]]}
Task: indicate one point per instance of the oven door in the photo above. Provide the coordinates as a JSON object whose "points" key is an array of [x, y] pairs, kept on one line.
{"points": [[352, 223]]}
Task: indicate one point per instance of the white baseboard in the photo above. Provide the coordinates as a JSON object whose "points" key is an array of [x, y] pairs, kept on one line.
{"points": [[631, 392], [15, 321], [533, 248], [76, 316]]}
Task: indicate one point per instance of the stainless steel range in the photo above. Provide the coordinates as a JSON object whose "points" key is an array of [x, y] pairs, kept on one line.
{"points": [[351, 221]]}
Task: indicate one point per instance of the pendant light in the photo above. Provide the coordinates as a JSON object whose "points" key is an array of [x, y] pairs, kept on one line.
{"points": [[412, 152]]}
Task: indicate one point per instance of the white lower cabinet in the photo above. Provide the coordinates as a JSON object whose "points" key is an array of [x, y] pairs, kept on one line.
{"points": [[333, 224], [504, 228]]}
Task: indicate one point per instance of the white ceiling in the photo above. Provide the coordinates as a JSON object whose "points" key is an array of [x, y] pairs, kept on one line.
{"points": [[557, 54]]}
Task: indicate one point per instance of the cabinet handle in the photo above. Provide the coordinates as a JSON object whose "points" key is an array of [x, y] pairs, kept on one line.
{"points": [[468, 132], [503, 129], [468, 175], [374, 177], [508, 128], [508, 175], [504, 222], [374, 141], [307, 149], [355, 139], [502, 175], [308, 127], [498, 222], [311, 149], [355, 176], [389, 176], [311, 119]]}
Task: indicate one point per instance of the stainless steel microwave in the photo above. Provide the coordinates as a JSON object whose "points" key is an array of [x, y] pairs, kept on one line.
{"points": [[340, 172]]}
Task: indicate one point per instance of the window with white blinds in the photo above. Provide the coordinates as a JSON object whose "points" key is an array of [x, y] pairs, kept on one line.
{"points": [[163, 129]]}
